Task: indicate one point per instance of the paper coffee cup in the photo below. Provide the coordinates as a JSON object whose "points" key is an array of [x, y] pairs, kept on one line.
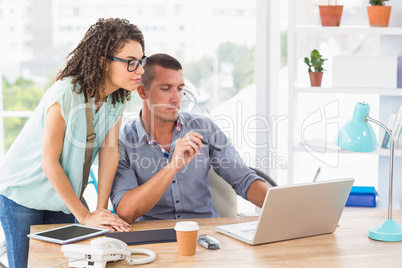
{"points": [[186, 233]]}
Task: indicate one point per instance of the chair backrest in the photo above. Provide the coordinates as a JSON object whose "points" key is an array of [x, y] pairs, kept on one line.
{"points": [[267, 179], [223, 195]]}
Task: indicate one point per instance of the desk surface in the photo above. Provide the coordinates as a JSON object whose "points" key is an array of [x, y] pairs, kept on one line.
{"points": [[348, 246]]}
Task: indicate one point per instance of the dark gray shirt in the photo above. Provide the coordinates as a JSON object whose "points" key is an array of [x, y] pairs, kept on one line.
{"points": [[188, 195]]}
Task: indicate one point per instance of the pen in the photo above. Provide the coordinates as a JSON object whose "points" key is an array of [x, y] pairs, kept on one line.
{"points": [[210, 145], [316, 174]]}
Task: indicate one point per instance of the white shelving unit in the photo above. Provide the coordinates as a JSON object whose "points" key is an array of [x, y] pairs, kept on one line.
{"points": [[379, 151], [295, 90], [358, 29], [346, 90]]}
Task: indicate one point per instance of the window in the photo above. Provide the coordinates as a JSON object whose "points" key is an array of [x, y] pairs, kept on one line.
{"points": [[207, 37]]}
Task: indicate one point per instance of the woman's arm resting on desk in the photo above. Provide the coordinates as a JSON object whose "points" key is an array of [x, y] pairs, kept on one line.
{"points": [[108, 161], [52, 147], [256, 193]]}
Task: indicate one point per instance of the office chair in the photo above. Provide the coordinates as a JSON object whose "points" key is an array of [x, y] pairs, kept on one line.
{"points": [[267, 179], [224, 197], [92, 179]]}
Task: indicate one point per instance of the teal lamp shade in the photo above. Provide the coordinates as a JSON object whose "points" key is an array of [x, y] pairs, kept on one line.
{"points": [[358, 135]]}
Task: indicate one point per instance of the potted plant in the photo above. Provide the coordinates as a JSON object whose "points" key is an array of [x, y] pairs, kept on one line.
{"points": [[331, 14], [315, 62], [378, 13]]}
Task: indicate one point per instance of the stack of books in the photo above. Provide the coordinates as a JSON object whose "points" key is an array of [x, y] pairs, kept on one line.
{"points": [[395, 125]]}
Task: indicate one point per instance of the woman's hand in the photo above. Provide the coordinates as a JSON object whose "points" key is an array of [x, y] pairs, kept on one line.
{"points": [[103, 218]]}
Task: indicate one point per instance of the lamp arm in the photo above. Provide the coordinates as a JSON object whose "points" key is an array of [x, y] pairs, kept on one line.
{"points": [[391, 163]]}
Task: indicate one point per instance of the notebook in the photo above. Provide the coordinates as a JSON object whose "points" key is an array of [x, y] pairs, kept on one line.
{"points": [[145, 237], [294, 211]]}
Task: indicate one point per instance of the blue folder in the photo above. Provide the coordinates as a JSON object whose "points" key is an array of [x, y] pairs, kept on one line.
{"points": [[362, 196]]}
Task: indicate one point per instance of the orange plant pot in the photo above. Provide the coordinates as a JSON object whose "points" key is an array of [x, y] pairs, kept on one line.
{"points": [[378, 15], [315, 78], [331, 15]]}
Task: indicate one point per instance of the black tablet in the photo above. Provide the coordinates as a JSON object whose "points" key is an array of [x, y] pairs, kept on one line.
{"points": [[68, 234], [145, 237]]}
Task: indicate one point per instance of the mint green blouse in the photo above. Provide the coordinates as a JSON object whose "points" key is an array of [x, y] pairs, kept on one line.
{"points": [[21, 175]]}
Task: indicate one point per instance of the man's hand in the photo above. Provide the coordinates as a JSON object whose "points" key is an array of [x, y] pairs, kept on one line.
{"points": [[185, 150]]}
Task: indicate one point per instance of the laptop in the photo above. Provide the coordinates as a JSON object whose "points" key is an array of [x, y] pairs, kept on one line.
{"points": [[294, 211]]}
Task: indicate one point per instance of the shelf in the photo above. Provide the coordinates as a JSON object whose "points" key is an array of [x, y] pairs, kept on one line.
{"points": [[302, 38], [318, 29], [343, 90], [379, 151]]}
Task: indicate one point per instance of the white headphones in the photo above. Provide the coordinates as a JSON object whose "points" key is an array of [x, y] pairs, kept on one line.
{"points": [[148, 252]]}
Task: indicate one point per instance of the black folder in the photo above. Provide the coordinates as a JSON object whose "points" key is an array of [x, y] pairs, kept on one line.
{"points": [[145, 237]]}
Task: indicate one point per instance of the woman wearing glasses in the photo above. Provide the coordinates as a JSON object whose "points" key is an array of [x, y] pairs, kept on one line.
{"points": [[42, 173]]}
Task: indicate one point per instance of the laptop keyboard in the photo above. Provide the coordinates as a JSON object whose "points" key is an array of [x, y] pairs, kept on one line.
{"points": [[250, 231], [252, 226]]}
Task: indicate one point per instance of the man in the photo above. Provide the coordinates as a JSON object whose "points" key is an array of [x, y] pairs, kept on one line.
{"points": [[163, 166]]}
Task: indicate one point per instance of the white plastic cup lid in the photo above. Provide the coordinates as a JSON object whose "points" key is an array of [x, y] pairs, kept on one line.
{"points": [[186, 226]]}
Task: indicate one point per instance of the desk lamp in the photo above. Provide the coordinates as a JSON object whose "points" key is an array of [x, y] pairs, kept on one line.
{"points": [[358, 135]]}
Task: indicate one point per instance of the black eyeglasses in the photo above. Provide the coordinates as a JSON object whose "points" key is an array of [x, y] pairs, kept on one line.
{"points": [[133, 64]]}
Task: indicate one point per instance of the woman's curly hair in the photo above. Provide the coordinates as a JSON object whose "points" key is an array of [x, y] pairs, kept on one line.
{"points": [[105, 38]]}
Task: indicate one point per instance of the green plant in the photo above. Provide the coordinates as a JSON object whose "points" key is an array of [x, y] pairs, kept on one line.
{"points": [[316, 61], [378, 2]]}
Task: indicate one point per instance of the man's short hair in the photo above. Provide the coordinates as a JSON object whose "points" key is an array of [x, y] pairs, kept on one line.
{"points": [[162, 60]]}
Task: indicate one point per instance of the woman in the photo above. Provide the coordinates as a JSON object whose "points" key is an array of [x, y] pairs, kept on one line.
{"points": [[42, 173]]}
